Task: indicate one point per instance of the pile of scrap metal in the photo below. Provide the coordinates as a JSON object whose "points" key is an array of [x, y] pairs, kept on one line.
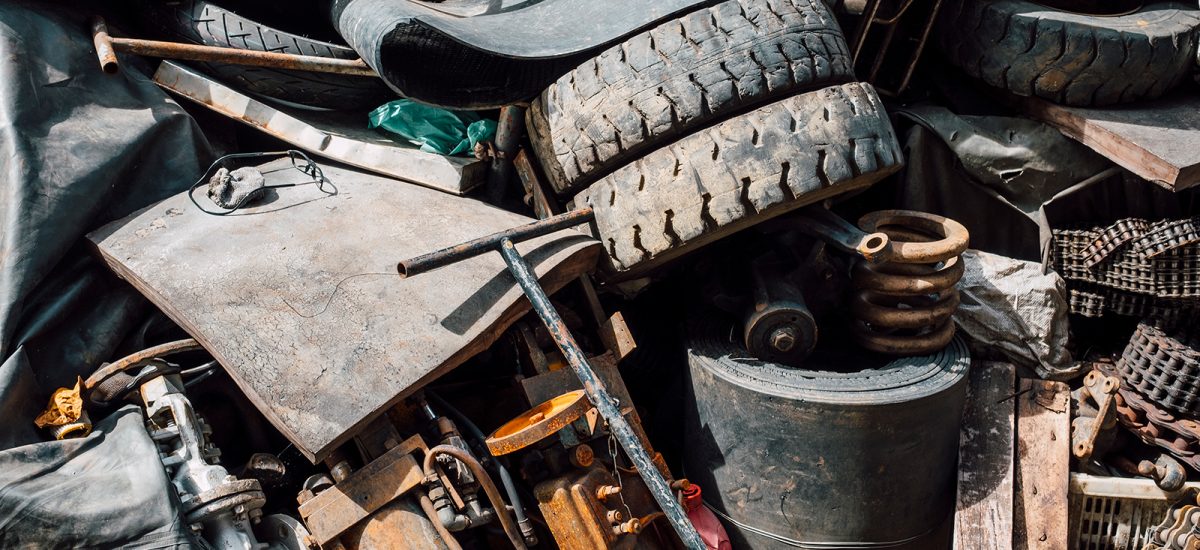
{"points": [[658, 329]]}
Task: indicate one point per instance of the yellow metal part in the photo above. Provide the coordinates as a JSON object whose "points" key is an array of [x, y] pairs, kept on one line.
{"points": [[538, 423]]}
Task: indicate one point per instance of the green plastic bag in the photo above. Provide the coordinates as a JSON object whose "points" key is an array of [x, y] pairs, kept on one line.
{"points": [[433, 129]]}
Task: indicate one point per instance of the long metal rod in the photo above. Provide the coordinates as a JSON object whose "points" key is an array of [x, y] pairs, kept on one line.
{"points": [[598, 395], [106, 46], [469, 249]]}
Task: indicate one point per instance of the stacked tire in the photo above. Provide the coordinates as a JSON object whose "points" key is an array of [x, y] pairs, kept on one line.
{"points": [[709, 123]]}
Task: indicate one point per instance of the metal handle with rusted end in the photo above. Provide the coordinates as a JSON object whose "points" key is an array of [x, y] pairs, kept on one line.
{"points": [[104, 46], [819, 222]]}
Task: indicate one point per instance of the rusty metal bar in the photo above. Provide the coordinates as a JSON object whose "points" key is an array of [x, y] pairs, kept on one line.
{"points": [[819, 222], [107, 46], [599, 396], [457, 253]]}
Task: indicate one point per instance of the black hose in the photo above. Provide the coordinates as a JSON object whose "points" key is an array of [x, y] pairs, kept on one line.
{"points": [[505, 478]]}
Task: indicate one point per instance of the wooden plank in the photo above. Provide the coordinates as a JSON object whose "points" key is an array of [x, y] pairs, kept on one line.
{"points": [[983, 516], [299, 299], [330, 135], [1155, 140], [1042, 466]]}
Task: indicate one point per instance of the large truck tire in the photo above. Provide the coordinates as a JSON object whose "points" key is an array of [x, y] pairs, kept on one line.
{"points": [[682, 75], [1071, 58], [204, 23], [743, 171]]}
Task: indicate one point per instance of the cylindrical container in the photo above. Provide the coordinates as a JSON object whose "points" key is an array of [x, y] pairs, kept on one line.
{"points": [[837, 458]]}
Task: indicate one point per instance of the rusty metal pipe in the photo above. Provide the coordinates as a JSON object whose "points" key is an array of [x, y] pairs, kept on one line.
{"points": [[457, 253], [485, 481], [599, 396], [106, 46]]}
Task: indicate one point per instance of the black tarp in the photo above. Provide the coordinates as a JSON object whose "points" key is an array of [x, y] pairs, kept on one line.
{"points": [[78, 148]]}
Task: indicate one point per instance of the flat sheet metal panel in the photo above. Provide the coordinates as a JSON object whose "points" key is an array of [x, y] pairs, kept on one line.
{"points": [[299, 300]]}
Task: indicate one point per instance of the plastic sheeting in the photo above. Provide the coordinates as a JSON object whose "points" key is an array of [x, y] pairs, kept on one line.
{"points": [[78, 148], [1026, 176], [1014, 309]]}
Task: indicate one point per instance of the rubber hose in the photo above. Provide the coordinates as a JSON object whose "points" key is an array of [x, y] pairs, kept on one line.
{"points": [[485, 481], [427, 507], [505, 478]]}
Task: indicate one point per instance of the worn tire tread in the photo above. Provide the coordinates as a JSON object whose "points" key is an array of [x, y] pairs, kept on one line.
{"points": [[1068, 58], [681, 76]]}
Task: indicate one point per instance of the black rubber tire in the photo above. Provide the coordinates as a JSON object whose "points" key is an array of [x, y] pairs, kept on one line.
{"points": [[1070, 58], [681, 76], [740, 172], [200, 22]]}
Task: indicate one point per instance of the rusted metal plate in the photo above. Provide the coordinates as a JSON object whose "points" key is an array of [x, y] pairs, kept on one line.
{"points": [[333, 511], [326, 134], [299, 299]]}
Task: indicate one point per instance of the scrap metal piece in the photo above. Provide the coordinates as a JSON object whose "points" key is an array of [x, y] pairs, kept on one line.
{"points": [[538, 423], [778, 326], [818, 221], [1154, 425], [592, 385], [107, 46], [904, 306], [1164, 367], [585, 511], [1086, 429], [1142, 261]]}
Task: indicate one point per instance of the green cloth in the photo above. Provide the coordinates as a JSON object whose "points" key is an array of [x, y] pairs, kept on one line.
{"points": [[433, 129]]}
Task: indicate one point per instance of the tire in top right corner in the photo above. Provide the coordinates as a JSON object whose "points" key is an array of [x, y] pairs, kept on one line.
{"points": [[1071, 58]]}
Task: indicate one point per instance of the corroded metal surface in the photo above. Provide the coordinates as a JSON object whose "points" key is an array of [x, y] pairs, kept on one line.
{"points": [[298, 298], [904, 306], [538, 423]]}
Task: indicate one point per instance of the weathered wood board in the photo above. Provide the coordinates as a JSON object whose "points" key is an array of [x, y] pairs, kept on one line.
{"points": [[1156, 140], [1042, 465], [983, 516], [326, 134], [299, 299]]}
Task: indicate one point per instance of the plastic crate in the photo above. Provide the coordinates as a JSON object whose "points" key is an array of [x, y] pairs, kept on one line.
{"points": [[1114, 513]]}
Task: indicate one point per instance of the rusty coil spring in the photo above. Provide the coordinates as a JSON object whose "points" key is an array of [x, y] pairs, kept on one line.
{"points": [[904, 306]]}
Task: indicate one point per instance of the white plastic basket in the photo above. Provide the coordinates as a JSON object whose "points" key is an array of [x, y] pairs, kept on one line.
{"points": [[1114, 513]]}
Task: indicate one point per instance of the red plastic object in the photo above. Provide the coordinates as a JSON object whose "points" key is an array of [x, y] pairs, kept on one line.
{"points": [[710, 528]]}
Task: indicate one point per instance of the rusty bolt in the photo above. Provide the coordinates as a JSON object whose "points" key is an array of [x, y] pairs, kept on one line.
{"points": [[605, 491], [784, 339], [614, 516], [633, 527], [582, 456]]}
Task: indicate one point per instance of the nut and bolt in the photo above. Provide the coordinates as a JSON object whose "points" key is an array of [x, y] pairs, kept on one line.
{"points": [[783, 339], [605, 491], [582, 456]]}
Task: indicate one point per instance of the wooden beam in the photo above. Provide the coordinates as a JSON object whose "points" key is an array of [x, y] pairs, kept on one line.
{"points": [[1042, 465], [983, 516]]}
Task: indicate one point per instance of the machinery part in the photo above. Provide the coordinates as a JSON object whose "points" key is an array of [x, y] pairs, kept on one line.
{"points": [[679, 77], [510, 488], [778, 325], [202, 23], [897, 421], [593, 386], [485, 481], [1071, 58], [398, 524], [819, 222], [1085, 430], [286, 532], [432, 514], [1159, 259], [1180, 529], [218, 505], [905, 305], [588, 510], [1096, 301], [107, 46], [79, 428], [1166, 472], [1153, 425], [107, 371], [893, 23], [538, 423], [1163, 367], [741, 172]]}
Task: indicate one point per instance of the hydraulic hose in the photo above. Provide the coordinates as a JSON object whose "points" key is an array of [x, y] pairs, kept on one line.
{"points": [[485, 481], [505, 478]]}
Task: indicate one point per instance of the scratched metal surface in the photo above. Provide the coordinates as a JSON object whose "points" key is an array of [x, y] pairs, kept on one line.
{"points": [[299, 300]]}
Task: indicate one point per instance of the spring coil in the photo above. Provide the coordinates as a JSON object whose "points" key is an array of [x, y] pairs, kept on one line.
{"points": [[904, 306]]}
